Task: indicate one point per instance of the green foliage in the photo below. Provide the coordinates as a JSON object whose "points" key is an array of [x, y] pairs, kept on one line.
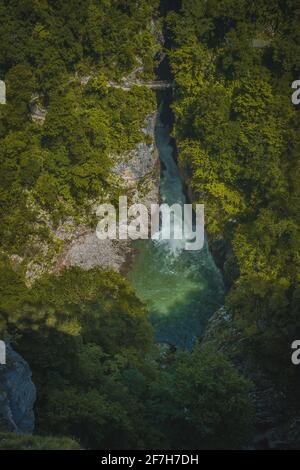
{"points": [[86, 337], [238, 136], [54, 38], [80, 332], [64, 164], [200, 399], [28, 442], [99, 376]]}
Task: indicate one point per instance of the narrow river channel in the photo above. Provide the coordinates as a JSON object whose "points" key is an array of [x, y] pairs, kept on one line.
{"points": [[181, 288]]}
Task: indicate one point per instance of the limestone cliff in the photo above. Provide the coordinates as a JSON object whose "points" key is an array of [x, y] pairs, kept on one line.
{"points": [[137, 176]]}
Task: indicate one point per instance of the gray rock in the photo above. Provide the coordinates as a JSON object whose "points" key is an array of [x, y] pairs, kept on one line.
{"points": [[17, 394], [141, 161], [137, 173], [38, 113], [88, 252]]}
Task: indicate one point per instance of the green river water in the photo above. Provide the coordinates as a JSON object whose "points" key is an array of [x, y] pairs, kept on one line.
{"points": [[181, 288]]}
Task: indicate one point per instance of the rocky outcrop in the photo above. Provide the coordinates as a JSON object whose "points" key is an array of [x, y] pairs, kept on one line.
{"points": [[137, 176], [17, 394], [138, 171], [38, 113], [87, 252]]}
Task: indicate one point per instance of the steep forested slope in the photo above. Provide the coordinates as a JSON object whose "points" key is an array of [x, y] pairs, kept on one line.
{"points": [[238, 135], [99, 376], [58, 58]]}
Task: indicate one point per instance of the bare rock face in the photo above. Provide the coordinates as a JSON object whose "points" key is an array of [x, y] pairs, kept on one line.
{"points": [[141, 161], [139, 170], [38, 113], [88, 251], [137, 174], [17, 394], [2, 92]]}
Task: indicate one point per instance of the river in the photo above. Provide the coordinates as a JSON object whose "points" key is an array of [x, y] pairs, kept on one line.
{"points": [[181, 288]]}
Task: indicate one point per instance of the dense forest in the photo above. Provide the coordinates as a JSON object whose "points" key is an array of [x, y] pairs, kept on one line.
{"points": [[101, 380], [49, 48], [238, 136]]}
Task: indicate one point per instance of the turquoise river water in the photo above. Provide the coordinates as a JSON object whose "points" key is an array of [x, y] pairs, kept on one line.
{"points": [[181, 288]]}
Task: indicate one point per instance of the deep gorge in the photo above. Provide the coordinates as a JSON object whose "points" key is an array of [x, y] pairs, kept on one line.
{"points": [[160, 366], [182, 289]]}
